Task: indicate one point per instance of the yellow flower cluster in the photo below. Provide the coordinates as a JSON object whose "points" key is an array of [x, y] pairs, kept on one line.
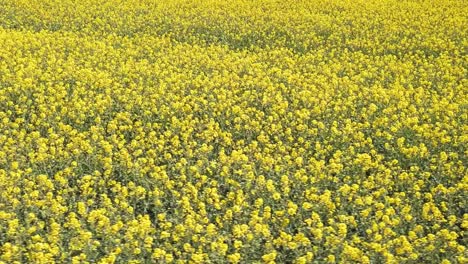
{"points": [[189, 131]]}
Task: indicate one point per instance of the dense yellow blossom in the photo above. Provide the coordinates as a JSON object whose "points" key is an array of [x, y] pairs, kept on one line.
{"points": [[189, 131]]}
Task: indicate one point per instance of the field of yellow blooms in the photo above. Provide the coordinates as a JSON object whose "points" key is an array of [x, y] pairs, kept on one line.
{"points": [[269, 131]]}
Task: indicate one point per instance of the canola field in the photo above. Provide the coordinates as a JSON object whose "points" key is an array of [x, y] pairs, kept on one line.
{"points": [[269, 131]]}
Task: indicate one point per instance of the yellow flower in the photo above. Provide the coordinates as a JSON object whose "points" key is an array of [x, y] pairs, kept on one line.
{"points": [[197, 258], [270, 257], [234, 258]]}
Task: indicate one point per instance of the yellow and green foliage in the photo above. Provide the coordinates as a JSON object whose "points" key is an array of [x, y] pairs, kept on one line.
{"points": [[233, 131]]}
